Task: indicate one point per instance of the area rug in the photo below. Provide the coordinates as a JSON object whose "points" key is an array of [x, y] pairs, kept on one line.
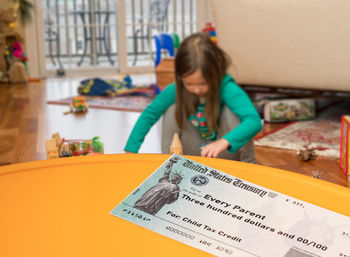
{"points": [[122, 103], [322, 134]]}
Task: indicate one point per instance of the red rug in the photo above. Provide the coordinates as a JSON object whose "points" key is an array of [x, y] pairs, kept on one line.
{"points": [[323, 133], [122, 103]]}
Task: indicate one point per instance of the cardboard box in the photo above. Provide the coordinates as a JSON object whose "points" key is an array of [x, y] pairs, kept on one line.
{"points": [[344, 143], [165, 72], [289, 110]]}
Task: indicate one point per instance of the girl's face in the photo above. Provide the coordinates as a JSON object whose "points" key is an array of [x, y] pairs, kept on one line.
{"points": [[196, 84]]}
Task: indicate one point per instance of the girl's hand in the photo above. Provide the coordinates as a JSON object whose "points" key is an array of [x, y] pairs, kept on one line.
{"points": [[214, 149]]}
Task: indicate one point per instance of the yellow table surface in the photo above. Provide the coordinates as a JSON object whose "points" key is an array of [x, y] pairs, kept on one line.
{"points": [[61, 207]]}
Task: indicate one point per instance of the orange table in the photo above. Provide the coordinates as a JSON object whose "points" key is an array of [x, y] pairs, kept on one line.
{"points": [[61, 207]]}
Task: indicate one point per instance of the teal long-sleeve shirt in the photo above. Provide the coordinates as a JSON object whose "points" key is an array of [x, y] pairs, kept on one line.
{"points": [[230, 94]]}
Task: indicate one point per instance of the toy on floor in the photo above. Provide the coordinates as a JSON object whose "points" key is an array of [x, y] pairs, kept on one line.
{"points": [[17, 50], [16, 60], [58, 147], [317, 174], [8, 18], [282, 110], [100, 87], [307, 154], [78, 105], [176, 146]]}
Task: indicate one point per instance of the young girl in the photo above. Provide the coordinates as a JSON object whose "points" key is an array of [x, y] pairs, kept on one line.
{"points": [[212, 114]]}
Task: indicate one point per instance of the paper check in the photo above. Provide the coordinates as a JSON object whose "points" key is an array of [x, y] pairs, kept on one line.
{"points": [[227, 216]]}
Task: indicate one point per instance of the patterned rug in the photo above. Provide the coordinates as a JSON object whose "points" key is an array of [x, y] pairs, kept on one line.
{"points": [[323, 133], [122, 103]]}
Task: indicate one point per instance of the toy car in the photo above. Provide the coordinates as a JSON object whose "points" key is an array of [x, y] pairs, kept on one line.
{"points": [[79, 104]]}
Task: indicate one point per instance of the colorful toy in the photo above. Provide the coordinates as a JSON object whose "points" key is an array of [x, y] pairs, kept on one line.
{"points": [[7, 17], [210, 30], [176, 40], [97, 145], [17, 51], [282, 110], [16, 60], [59, 148], [163, 41], [100, 87], [78, 105]]}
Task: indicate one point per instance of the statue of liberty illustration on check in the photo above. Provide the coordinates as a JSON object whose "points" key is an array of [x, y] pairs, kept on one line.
{"points": [[165, 192]]}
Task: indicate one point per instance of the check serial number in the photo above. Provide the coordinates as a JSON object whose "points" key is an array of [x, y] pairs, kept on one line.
{"points": [[179, 232]]}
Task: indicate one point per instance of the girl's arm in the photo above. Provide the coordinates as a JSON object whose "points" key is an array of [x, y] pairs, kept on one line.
{"points": [[149, 117], [240, 104]]}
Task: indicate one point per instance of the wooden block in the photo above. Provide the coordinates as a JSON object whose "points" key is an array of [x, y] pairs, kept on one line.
{"points": [[51, 149], [56, 136], [176, 146]]}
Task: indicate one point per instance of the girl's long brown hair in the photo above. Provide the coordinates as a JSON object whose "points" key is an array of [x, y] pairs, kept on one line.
{"points": [[198, 52]]}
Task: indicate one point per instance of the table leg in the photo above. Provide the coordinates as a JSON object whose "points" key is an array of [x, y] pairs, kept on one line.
{"points": [[135, 47], [58, 47], [50, 54], [85, 39], [49, 39], [105, 39]]}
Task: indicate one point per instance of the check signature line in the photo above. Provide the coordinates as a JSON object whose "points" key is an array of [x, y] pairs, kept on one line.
{"points": [[198, 233]]}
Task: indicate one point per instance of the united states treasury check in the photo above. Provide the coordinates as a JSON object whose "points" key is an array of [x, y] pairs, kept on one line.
{"points": [[227, 216]]}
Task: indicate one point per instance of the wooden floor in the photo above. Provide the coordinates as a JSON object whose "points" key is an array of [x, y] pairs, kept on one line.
{"points": [[26, 121]]}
